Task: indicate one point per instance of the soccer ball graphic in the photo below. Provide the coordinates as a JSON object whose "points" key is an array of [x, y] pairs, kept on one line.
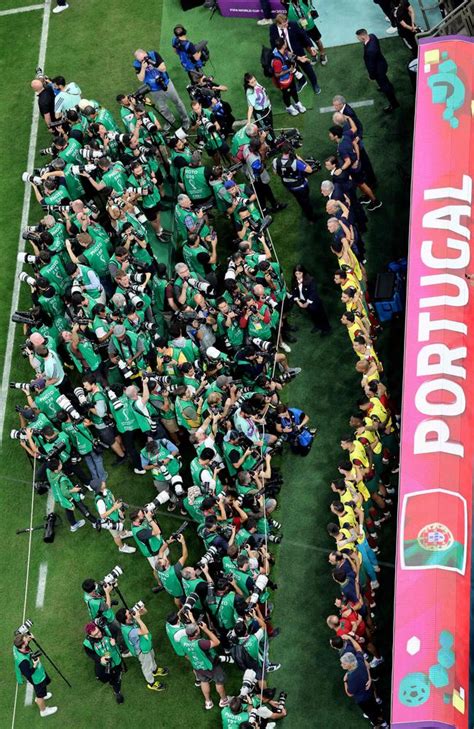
{"points": [[414, 689]]}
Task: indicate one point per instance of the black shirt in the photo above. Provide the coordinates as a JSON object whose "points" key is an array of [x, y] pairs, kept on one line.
{"points": [[46, 101]]}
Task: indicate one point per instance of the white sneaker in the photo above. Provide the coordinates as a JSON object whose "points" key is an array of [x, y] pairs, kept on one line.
{"points": [[126, 549], [300, 107], [139, 471], [374, 584], [126, 535], [292, 110], [265, 21], [209, 705], [391, 30], [285, 347], [77, 525], [48, 696], [376, 662], [59, 9], [224, 702], [50, 709]]}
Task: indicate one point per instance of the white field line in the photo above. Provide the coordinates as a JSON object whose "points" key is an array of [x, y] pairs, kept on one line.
{"points": [[354, 104], [9, 348], [28, 694], [41, 590], [24, 221], [24, 9]]}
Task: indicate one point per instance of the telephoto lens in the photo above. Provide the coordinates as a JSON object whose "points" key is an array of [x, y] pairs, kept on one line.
{"points": [[24, 628], [24, 278]]}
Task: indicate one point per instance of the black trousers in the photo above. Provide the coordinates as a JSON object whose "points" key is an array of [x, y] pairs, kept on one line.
{"points": [[290, 94], [264, 119], [319, 317], [387, 7], [264, 193], [302, 198], [386, 87], [371, 709], [131, 451], [308, 71]]}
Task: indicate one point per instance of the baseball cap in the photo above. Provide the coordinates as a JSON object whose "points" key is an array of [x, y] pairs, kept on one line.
{"points": [[119, 330], [223, 380], [228, 184]]}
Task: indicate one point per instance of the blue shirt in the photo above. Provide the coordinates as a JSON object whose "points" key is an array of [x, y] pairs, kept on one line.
{"points": [[185, 50], [357, 679], [156, 80]]}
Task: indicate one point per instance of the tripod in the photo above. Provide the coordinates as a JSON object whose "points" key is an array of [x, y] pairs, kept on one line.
{"points": [[48, 658]]}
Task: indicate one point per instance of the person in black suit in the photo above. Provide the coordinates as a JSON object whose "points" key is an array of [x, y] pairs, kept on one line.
{"points": [[340, 104], [297, 42], [305, 296], [377, 67]]}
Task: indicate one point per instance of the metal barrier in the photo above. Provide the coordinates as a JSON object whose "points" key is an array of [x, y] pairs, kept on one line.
{"points": [[458, 18]]}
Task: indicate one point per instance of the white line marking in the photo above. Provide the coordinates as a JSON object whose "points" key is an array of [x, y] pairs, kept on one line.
{"points": [[42, 577], [28, 694], [24, 221], [354, 104], [9, 349], [24, 9]]}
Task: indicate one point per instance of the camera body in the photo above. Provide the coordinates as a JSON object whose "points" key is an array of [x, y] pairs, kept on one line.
{"points": [[112, 577]]}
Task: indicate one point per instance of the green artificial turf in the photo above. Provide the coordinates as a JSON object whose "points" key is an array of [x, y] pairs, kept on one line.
{"points": [[92, 44]]}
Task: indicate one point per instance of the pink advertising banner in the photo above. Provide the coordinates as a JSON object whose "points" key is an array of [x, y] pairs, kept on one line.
{"points": [[430, 681]]}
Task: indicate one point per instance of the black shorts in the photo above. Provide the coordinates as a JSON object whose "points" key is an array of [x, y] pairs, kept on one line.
{"points": [[152, 213], [106, 435], [314, 34], [41, 689]]}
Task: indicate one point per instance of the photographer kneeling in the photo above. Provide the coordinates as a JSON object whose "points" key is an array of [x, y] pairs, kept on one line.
{"points": [[139, 642]]}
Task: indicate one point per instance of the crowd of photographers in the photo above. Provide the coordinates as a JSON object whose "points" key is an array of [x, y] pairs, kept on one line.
{"points": [[180, 374]]}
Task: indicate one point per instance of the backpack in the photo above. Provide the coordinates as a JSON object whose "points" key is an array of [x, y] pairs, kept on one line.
{"points": [[266, 58], [242, 659]]}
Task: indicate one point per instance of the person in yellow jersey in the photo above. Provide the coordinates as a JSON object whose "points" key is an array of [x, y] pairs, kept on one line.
{"points": [[381, 418], [355, 326], [365, 350], [368, 435], [362, 457], [369, 371], [352, 518]]}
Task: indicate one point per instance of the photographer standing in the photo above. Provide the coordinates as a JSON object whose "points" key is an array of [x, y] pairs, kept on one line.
{"points": [[202, 656], [293, 172], [170, 574], [102, 649], [111, 514], [148, 538], [150, 69], [28, 667], [192, 57], [139, 642]]}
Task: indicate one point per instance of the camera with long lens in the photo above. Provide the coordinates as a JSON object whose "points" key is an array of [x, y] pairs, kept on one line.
{"points": [[48, 151], [260, 585], [203, 286], [144, 89], [81, 320], [19, 434], [286, 377], [209, 556], [149, 124], [26, 258], [25, 278], [116, 137], [249, 681], [66, 405], [64, 208], [77, 169], [19, 386], [109, 525], [259, 226], [112, 577], [176, 481], [135, 609], [56, 450], [81, 396], [114, 400], [281, 702], [89, 153], [24, 317], [125, 370], [35, 179], [175, 535], [263, 345], [24, 628], [189, 604], [31, 236]]}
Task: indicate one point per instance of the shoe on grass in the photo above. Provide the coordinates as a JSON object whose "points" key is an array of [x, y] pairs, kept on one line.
{"points": [[156, 686], [209, 705], [224, 702], [49, 709], [265, 21], [77, 525], [300, 106], [292, 110], [161, 671], [60, 8], [125, 549]]}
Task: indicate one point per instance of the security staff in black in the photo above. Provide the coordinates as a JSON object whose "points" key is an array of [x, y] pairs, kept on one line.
{"points": [[294, 171], [102, 649]]}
